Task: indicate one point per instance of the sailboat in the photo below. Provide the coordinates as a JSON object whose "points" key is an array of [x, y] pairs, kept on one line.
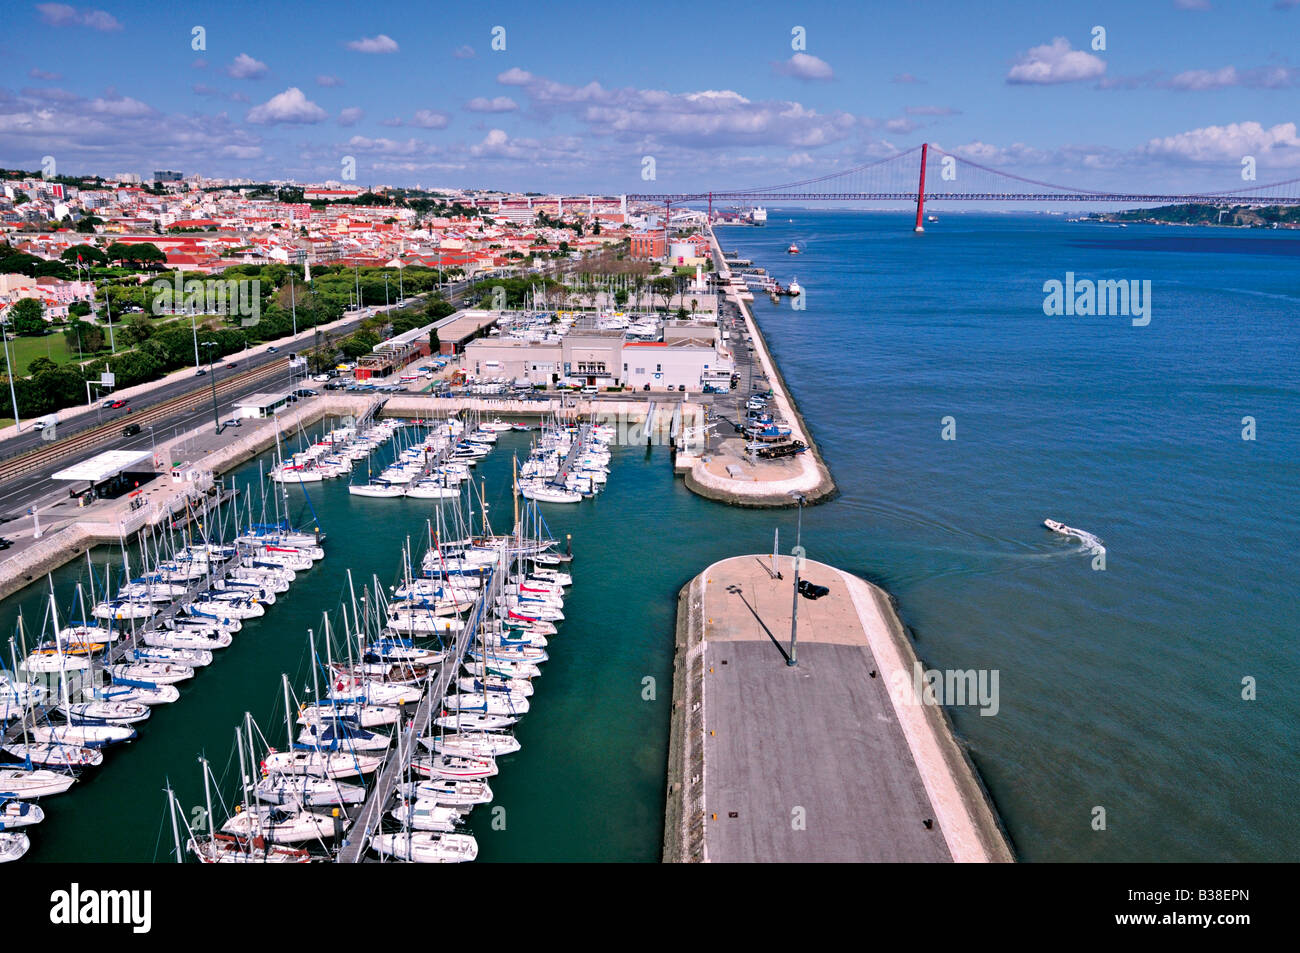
{"points": [[426, 847]]}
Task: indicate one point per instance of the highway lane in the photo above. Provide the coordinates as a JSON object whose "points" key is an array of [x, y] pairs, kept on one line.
{"points": [[190, 383], [37, 487]]}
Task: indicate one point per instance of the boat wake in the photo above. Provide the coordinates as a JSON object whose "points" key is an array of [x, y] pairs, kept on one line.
{"points": [[1088, 543]]}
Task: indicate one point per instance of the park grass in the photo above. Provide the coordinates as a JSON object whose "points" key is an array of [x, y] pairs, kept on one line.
{"points": [[24, 350]]}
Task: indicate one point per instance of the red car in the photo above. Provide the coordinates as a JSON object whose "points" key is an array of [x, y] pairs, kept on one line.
{"points": [[117, 403]]}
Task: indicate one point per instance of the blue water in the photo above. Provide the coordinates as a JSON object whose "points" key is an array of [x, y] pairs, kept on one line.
{"points": [[1119, 688]]}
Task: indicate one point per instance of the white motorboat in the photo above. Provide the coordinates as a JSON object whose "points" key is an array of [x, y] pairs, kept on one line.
{"points": [[426, 847]]}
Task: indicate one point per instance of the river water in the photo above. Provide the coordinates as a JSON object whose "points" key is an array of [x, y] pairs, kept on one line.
{"points": [[1120, 682]]}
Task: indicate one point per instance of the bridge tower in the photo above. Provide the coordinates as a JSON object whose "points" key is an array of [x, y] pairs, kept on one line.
{"points": [[920, 190]]}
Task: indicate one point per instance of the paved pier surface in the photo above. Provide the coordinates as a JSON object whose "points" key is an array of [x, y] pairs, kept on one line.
{"points": [[816, 762]]}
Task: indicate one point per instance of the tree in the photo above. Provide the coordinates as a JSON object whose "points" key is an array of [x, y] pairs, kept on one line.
{"points": [[39, 364], [83, 337], [88, 254], [137, 330], [79, 309], [86, 226], [662, 286], [27, 317], [361, 343]]}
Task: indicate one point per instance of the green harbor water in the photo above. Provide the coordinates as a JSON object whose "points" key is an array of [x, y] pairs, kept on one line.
{"points": [[588, 782]]}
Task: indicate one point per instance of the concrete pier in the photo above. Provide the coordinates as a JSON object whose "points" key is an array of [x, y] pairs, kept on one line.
{"points": [[829, 760], [724, 472]]}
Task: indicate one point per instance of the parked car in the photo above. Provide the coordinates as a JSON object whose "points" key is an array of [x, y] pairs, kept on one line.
{"points": [[130, 430], [233, 422]]}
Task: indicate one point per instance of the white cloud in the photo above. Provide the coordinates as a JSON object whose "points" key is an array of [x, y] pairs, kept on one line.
{"points": [[1267, 77], [324, 79], [463, 52], [374, 44], [701, 119], [121, 106], [350, 116], [497, 104], [430, 119], [1055, 62], [515, 77], [805, 66], [290, 106], [1229, 143], [60, 14], [36, 73], [901, 125], [245, 67]]}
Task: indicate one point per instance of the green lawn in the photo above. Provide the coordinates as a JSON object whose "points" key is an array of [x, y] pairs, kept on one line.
{"points": [[25, 350]]}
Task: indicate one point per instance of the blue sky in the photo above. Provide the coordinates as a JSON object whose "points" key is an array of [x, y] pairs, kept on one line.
{"points": [[715, 93]]}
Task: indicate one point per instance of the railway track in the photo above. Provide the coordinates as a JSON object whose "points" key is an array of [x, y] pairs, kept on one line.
{"points": [[93, 436]]}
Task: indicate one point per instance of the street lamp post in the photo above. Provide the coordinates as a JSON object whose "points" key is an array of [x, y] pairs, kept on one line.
{"points": [[216, 416], [9, 366], [798, 559], [293, 304]]}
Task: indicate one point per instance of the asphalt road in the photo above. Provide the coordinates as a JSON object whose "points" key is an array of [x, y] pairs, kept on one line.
{"points": [[37, 487], [30, 439]]}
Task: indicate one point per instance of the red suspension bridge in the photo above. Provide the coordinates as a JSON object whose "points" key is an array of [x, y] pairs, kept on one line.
{"points": [[953, 178]]}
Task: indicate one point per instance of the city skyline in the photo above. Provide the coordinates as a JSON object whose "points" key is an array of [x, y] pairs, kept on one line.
{"points": [[1182, 91]]}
